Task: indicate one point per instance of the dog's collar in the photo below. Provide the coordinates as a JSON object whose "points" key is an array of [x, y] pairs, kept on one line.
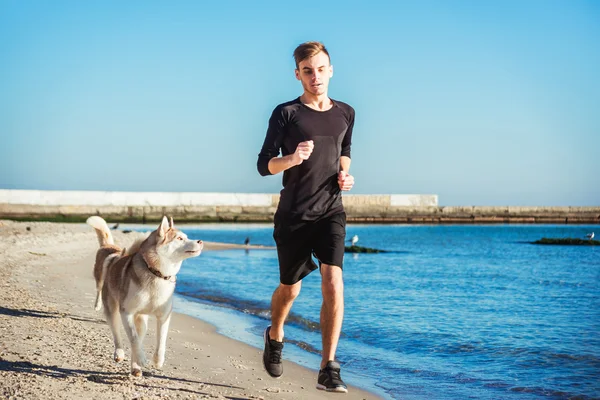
{"points": [[170, 278]]}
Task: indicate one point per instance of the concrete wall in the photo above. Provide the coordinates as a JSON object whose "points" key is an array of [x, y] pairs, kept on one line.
{"points": [[199, 207], [166, 199]]}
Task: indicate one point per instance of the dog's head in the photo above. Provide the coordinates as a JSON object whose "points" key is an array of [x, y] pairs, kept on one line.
{"points": [[168, 245]]}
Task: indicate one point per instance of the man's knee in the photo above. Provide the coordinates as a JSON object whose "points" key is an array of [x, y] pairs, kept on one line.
{"points": [[289, 292], [332, 281]]}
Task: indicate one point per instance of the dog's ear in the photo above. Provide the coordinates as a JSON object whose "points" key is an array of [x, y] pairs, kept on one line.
{"points": [[171, 225], [163, 227]]}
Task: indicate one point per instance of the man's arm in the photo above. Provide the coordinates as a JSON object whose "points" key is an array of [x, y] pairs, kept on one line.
{"points": [[280, 164], [345, 163], [303, 151], [272, 144], [269, 162], [345, 180]]}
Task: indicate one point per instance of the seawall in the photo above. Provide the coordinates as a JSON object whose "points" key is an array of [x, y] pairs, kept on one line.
{"points": [[143, 207]]}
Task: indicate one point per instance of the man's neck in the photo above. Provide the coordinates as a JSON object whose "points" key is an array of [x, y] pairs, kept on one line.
{"points": [[319, 103]]}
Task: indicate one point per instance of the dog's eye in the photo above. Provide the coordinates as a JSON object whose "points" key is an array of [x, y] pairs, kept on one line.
{"points": [[179, 238]]}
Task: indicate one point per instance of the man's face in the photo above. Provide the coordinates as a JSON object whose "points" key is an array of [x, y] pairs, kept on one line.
{"points": [[314, 73]]}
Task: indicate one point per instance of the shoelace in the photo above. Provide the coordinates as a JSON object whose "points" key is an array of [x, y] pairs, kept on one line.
{"points": [[274, 354], [334, 374]]}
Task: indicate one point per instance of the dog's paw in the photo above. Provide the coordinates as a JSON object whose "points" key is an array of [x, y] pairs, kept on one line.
{"points": [[158, 361], [136, 366], [119, 355]]}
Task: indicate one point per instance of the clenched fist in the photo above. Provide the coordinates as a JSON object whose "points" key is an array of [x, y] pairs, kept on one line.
{"points": [[303, 151], [345, 180]]}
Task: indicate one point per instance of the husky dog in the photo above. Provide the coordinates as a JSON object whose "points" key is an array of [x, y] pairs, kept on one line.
{"points": [[137, 282]]}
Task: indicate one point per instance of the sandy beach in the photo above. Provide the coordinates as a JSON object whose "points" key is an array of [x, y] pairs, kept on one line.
{"points": [[53, 345]]}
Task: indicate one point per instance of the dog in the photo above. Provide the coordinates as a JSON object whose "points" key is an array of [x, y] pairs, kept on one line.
{"points": [[137, 282]]}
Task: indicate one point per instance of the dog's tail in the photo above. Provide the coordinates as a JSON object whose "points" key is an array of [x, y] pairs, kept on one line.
{"points": [[104, 236], [100, 283]]}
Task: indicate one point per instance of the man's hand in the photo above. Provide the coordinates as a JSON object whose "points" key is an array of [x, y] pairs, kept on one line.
{"points": [[345, 180], [303, 151]]}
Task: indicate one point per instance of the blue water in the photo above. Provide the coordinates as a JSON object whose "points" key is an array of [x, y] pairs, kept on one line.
{"points": [[453, 312]]}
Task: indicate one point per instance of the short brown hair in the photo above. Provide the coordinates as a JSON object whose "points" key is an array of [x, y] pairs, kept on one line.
{"points": [[307, 50]]}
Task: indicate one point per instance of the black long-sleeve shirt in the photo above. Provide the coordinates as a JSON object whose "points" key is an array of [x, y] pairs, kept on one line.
{"points": [[310, 190]]}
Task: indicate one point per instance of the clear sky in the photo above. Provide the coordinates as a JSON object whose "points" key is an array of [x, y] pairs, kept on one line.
{"points": [[480, 102]]}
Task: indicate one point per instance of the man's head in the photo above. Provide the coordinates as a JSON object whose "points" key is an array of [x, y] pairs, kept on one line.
{"points": [[313, 67]]}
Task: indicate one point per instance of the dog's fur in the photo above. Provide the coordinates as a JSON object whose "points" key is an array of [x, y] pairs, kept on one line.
{"points": [[136, 282]]}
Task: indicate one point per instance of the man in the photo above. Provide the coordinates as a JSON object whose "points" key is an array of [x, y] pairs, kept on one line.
{"points": [[314, 134]]}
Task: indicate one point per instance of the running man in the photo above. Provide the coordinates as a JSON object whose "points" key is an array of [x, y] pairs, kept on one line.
{"points": [[313, 134]]}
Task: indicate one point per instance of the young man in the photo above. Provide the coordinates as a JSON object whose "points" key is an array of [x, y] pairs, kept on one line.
{"points": [[314, 134]]}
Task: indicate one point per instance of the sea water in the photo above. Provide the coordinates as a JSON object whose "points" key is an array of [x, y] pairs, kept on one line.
{"points": [[449, 312]]}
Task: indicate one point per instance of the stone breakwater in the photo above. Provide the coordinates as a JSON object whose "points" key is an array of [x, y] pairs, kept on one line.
{"points": [[137, 207]]}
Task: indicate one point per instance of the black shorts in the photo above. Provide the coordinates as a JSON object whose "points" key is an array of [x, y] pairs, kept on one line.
{"points": [[298, 241]]}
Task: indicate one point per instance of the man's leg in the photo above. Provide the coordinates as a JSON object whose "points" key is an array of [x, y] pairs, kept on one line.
{"points": [[281, 304], [329, 249], [332, 310], [295, 262], [332, 314]]}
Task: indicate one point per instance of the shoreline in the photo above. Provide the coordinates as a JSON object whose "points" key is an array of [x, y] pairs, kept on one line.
{"points": [[54, 345]]}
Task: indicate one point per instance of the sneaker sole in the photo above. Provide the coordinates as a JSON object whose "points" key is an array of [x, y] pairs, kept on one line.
{"points": [[263, 363], [338, 389]]}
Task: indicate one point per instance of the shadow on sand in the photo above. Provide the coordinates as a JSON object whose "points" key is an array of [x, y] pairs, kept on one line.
{"points": [[106, 377], [100, 377], [22, 312]]}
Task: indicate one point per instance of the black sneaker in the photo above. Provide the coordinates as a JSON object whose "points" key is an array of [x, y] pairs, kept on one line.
{"points": [[330, 379], [272, 355]]}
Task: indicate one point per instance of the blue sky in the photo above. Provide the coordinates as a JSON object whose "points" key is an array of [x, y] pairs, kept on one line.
{"points": [[480, 102]]}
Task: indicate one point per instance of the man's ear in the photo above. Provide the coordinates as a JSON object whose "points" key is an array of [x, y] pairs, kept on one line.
{"points": [[330, 71], [297, 73]]}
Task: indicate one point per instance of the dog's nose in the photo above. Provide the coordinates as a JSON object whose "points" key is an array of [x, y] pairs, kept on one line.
{"points": [[199, 242]]}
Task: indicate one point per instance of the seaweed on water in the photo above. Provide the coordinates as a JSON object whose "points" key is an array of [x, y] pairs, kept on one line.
{"points": [[360, 249], [568, 242]]}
